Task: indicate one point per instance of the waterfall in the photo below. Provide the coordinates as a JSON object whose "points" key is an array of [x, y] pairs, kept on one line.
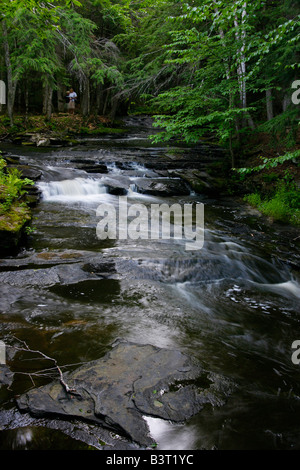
{"points": [[74, 189]]}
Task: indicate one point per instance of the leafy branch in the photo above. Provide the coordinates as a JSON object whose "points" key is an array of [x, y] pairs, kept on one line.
{"points": [[269, 163]]}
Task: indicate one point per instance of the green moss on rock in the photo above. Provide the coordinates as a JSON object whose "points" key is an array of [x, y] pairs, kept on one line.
{"points": [[12, 226]]}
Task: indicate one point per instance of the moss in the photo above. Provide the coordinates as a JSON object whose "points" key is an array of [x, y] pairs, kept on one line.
{"points": [[15, 218], [12, 227]]}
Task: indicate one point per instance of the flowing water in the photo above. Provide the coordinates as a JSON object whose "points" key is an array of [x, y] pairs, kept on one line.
{"points": [[233, 305]]}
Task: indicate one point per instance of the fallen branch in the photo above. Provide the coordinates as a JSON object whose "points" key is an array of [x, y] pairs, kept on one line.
{"points": [[26, 348]]}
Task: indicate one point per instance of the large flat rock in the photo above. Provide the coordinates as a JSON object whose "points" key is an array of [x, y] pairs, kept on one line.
{"points": [[129, 382]]}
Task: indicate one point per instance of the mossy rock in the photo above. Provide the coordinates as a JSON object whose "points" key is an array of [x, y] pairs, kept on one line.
{"points": [[12, 227]]}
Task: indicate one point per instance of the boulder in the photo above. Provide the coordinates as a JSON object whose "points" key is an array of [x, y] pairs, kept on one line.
{"points": [[164, 187], [26, 171], [13, 225], [117, 186]]}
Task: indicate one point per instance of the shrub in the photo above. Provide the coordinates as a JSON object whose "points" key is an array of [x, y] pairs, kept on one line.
{"points": [[282, 205], [12, 186]]}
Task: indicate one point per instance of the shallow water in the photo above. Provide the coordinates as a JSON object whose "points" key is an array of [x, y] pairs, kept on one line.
{"points": [[233, 305]]}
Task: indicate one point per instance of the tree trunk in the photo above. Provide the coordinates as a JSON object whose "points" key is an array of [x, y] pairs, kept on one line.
{"points": [[19, 95], [60, 98], [99, 100], [11, 82], [86, 99], [49, 104], [47, 101], [45, 93], [26, 99], [114, 108], [269, 104], [286, 102], [241, 68], [106, 102]]}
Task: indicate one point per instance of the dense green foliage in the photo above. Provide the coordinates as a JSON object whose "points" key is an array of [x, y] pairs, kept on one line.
{"points": [[14, 210], [270, 162], [282, 205], [12, 187]]}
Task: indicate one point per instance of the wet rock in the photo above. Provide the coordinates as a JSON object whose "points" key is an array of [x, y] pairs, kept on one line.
{"points": [[63, 274], [90, 166], [14, 421], [117, 186], [33, 196], [131, 381], [30, 277], [12, 227], [6, 375], [43, 142], [40, 140], [10, 159], [27, 171], [201, 182], [165, 187]]}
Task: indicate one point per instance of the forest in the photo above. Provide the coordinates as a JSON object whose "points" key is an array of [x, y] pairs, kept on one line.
{"points": [[219, 70], [226, 68]]}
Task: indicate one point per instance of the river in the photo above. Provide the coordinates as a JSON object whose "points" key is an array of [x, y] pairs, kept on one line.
{"points": [[233, 304]]}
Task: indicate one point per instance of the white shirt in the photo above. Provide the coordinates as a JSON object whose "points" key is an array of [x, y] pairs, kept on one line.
{"points": [[72, 96]]}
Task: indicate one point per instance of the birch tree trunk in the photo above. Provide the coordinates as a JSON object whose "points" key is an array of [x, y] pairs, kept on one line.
{"points": [[231, 98], [241, 68]]}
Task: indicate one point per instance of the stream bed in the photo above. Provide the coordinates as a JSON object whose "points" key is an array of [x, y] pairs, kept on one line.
{"points": [[233, 305]]}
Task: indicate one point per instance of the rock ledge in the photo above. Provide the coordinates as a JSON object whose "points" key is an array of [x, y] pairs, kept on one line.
{"points": [[129, 382]]}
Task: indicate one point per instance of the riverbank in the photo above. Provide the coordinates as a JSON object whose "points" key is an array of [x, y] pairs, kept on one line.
{"points": [[15, 213], [61, 129], [270, 182]]}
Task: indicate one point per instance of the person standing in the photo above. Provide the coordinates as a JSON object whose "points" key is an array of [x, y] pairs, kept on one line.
{"points": [[72, 101]]}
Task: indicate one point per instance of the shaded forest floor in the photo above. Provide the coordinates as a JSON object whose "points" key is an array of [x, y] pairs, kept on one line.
{"points": [[61, 124]]}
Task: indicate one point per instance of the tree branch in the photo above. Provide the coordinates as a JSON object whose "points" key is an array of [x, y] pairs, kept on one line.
{"points": [[26, 348]]}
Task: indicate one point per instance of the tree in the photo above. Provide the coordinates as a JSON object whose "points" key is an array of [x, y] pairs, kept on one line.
{"points": [[224, 52], [28, 30]]}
